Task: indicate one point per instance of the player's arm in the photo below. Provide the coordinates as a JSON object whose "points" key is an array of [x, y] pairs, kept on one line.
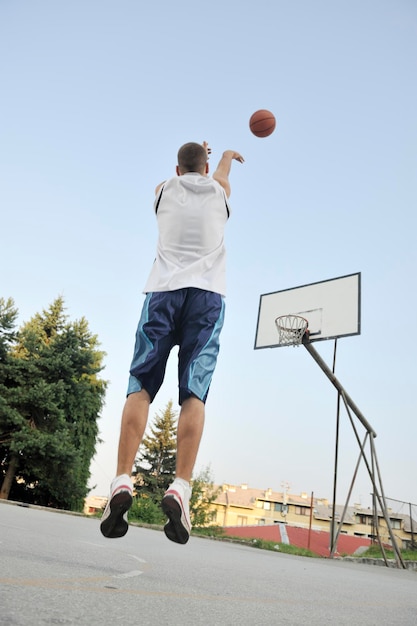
{"points": [[223, 169]]}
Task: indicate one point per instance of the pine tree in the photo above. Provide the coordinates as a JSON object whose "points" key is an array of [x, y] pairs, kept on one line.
{"points": [[8, 317], [50, 400], [155, 465]]}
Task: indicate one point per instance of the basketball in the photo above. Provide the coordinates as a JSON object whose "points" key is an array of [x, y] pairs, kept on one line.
{"points": [[262, 123]]}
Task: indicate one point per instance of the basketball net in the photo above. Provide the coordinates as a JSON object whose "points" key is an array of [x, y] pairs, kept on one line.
{"points": [[291, 329]]}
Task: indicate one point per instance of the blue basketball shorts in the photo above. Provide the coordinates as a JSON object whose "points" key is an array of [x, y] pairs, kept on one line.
{"points": [[190, 318]]}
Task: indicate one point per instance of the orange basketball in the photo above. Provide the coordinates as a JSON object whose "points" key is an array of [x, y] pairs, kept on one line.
{"points": [[262, 123]]}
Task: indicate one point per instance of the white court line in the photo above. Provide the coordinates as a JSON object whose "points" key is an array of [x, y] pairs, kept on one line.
{"points": [[132, 573], [135, 572], [137, 558]]}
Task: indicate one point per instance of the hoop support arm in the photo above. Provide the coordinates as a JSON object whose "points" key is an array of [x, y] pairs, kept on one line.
{"points": [[338, 386]]}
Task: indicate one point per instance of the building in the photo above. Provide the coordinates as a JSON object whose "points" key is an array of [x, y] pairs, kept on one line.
{"points": [[94, 505], [238, 506]]}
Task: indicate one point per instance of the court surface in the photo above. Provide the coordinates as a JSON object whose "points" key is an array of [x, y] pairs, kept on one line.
{"points": [[56, 568]]}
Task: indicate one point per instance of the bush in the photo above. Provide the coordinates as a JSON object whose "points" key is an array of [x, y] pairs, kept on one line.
{"points": [[146, 511]]}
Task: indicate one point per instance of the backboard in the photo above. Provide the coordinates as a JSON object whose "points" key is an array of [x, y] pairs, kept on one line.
{"points": [[332, 308]]}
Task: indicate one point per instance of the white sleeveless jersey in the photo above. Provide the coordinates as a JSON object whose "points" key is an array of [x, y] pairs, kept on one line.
{"points": [[192, 211]]}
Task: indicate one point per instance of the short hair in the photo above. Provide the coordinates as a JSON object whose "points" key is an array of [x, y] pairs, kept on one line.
{"points": [[192, 157]]}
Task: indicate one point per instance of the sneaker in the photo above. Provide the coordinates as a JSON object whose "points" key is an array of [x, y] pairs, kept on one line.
{"points": [[175, 505], [114, 520]]}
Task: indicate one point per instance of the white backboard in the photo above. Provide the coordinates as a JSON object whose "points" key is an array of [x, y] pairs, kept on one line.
{"points": [[332, 308]]}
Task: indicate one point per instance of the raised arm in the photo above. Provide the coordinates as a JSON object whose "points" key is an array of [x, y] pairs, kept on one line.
{"points": [[223, 169]]}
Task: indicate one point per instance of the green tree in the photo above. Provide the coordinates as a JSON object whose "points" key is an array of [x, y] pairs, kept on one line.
{"points": [[8, 317], [51, 398], [203, 495], [155, 464], [8, 416]]}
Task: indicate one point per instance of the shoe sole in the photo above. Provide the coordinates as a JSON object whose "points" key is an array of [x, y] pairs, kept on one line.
{"points": [[114, 526], [174, 529]]}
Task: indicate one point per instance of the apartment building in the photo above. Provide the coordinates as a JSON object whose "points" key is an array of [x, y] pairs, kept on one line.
{"points": [[245, 506]]}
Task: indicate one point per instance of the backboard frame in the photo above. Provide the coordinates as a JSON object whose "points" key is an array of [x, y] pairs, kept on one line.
{"points": [[332, 307]]}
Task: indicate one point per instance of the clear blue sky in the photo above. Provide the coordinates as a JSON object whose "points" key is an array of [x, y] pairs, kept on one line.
{"points": [[98, 95]]}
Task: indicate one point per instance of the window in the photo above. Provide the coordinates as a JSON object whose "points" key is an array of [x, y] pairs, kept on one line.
{"points": [[301, 510], [277, 506], [262, 504], [242, 520], [395, 523]]}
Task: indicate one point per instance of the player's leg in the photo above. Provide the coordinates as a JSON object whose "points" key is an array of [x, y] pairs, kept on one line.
{"points": [[189, 433], [176, 500], [203, 315], [114, 522], [154, 340], [134, 420]]}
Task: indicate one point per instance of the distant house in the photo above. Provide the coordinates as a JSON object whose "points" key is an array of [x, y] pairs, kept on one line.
{"points": [[94, 504], [242, 506]]}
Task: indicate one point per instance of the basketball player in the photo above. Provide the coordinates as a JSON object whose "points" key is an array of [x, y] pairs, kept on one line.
{"points": [[184, 306]]}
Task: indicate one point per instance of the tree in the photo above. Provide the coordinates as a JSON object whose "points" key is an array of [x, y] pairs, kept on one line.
{"points": [[50, 400], [155, 465], [203, 495], [8, 317]]}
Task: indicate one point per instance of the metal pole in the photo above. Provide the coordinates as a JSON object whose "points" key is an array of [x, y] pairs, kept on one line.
{"points": [[334, 544], [338, 385], [311, 518], [382, 504], [371, 470], [375, 519], [336, 461]]}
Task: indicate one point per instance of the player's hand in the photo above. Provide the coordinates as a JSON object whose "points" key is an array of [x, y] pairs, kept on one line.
{"points": [[238, 157], [207, 149], [231, 154]]}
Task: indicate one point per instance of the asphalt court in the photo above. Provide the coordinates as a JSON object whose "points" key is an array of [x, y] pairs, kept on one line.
{"points": [[56, 568]]}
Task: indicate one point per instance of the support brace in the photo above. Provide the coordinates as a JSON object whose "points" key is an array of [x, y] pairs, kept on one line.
{"points": [[378, 494]]}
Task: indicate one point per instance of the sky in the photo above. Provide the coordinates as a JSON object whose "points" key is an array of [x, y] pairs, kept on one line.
{"points": [[97, 97]]}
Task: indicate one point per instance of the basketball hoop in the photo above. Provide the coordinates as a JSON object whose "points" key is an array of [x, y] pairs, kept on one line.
{"points": [[291, 329]]}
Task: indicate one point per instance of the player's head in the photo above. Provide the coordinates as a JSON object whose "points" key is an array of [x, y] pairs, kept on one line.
{"points": [[192, 157]]}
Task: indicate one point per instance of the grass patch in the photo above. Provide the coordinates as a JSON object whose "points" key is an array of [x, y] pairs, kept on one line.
{"points": [[375, 552], [284, 547], [264, 544], [208, 531]]}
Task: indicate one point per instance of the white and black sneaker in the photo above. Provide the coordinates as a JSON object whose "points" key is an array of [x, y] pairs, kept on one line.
{"points": [[114, 519], [175, 505]]}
